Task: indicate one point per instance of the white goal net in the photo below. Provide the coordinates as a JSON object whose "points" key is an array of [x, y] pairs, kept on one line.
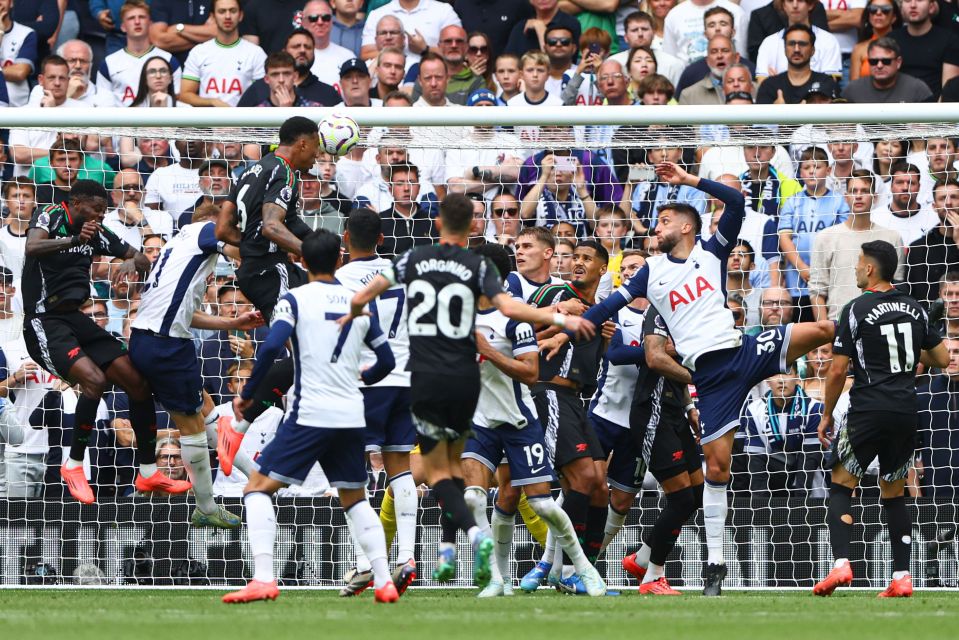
{"points": [[583, 173]]}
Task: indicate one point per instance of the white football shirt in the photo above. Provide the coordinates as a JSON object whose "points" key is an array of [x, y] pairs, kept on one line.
{"points": [[503, 400], [224, 71], [616, 383]]}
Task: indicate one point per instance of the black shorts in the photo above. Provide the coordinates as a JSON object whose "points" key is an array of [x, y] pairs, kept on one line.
{"points": [[664, 439], [56, 341], [442, 406], [569, 436], [892, 437], [264, 280]]}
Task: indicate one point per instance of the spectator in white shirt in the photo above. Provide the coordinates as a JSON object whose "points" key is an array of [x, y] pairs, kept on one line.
{"points": [[176, 187], [683, 33], [18, 54], [422, 21], [19, 202], [534, 66], [905, 214], [119, 74], [27, 145], [80, 87], [128, 218], [328, 56], [560, 47], [827, 57], [388, 32], [218, 71]]}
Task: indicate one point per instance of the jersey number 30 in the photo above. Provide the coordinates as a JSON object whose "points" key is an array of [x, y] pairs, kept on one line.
{"points": [[442, 302]]}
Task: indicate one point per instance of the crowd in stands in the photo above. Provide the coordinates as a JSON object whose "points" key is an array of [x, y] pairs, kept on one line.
{"points": [[810, 204]]}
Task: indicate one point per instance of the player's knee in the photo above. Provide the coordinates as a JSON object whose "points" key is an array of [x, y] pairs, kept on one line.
{"points": [[507, 498], [545, 507], [476, 498], [93, 383], [684, 500], [620, 500], [827, 330], [717, 470]]}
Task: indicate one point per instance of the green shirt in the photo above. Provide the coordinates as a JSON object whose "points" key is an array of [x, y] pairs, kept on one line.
{"points": [[92, 169]]}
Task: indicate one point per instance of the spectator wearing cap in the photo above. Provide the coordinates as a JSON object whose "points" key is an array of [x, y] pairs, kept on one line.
{"points": [[128, 218], [720, 55], [421, 20], [886, 83], [214, 186], [327, 56], [307, 86], [529, 35], [792, 85], [461, 80], [355, 85], [826, 55], [488, 160]]}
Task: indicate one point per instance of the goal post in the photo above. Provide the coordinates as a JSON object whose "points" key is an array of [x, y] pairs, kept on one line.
{"points": [[776, 535]]}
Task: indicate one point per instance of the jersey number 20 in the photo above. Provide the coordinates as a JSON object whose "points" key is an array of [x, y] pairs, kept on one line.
{"points": [[442, 301]]}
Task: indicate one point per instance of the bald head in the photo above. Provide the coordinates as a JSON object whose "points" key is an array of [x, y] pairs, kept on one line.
{"points": [[453, 44], [612, 82]]}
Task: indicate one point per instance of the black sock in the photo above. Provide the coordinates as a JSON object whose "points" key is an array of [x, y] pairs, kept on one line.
{"points": [[679, 506], [698, 495], [840, 520], [595, 532], [576, 506], [143, 419], [276, 383], [900, 531], [84, 417], [447, 526], [449, 496]]}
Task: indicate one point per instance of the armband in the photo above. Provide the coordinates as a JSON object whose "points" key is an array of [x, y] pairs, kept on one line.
{"points": [[690, 407]]}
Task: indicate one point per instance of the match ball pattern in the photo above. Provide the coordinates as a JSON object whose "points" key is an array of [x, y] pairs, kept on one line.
{"points": [[339, 134]]}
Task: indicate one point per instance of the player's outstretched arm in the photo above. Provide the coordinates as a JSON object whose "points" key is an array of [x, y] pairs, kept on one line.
{"points": [[620, 353], [522, 312], [835, 381], [226, 229], [364, 296], [275, 230], [243, 322], [385, 361], [661, 362], [39, 242], [938, 356], [523, 368]]}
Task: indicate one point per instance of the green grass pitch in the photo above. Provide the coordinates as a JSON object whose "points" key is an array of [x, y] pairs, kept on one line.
{"points": [[458, 615]]}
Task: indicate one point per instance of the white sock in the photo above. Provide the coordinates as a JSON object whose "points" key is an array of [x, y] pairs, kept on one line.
{"points": [[502, 527], [241, 426], [715, 507], [476, 499], [362, 562], [654, 572], [562, 528], [614, 524], [369, 533], [839, 562], [210, 428], [261, 527], [147, 470], [642, 556], [550, 551], [404, 504], [196, 459], [899, 575], [473, 534], [73, 464]]}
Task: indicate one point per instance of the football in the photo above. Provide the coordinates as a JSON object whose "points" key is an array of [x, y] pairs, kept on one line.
{"points": [[339, 134]]}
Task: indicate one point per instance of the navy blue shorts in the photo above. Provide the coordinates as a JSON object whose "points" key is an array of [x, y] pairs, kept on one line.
{"points": [[389, 422], [525, 451], [295, 448], [171, 367], [723, 378], [626, 469]]}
